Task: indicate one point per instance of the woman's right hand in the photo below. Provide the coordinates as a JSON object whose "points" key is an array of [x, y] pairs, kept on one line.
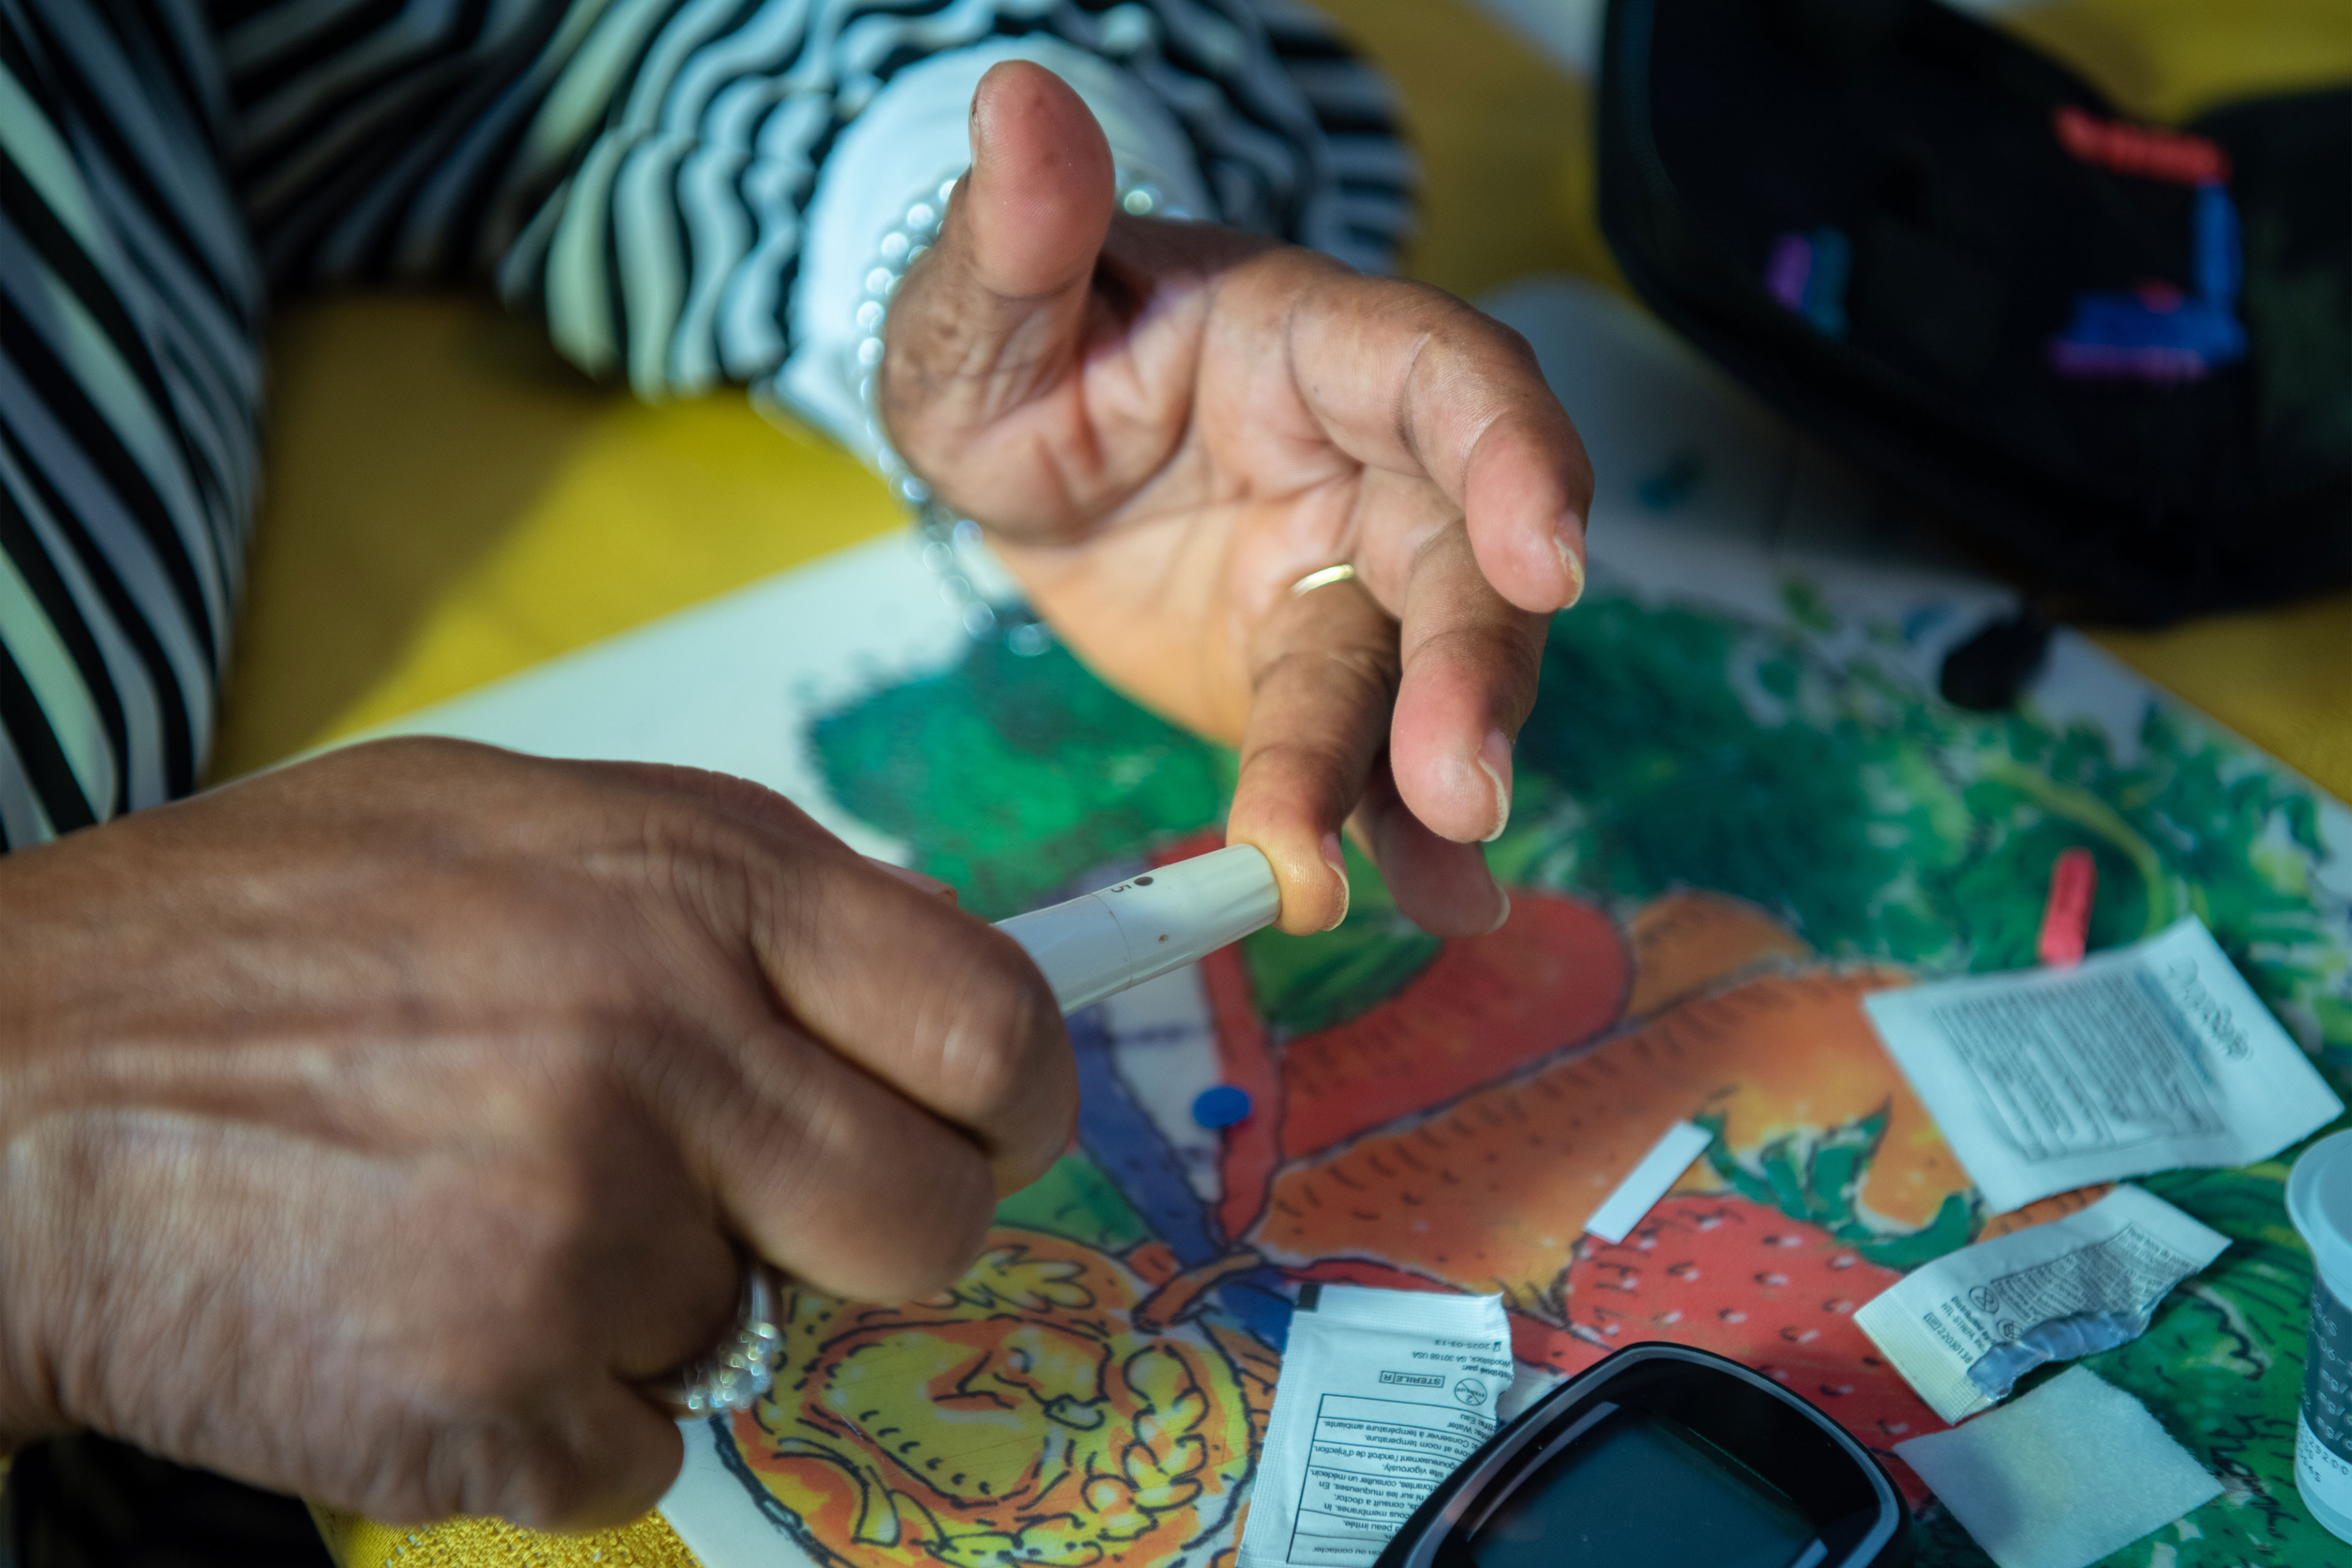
{"points": [[371, 1129]]}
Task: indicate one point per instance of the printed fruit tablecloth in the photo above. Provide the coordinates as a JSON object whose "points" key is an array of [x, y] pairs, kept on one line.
{"points": [[1728, 829]]}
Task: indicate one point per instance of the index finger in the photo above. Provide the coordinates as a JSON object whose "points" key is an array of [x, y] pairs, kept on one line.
{"points": [[940, 1005], [1407, 378], [889, 976]]}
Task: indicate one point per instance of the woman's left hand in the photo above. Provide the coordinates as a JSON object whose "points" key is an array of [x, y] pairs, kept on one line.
{"points": [[1165, 425]]}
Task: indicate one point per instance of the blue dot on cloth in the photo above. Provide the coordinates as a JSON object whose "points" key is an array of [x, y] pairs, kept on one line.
{"points": [[1221, 1106]]}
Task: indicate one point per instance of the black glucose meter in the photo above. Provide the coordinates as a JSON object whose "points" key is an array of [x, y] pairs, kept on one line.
{"points": [[1662, 1456]]}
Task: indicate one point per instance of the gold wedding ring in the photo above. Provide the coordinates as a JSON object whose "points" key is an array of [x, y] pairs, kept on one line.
{"points": [[1342, 572]]}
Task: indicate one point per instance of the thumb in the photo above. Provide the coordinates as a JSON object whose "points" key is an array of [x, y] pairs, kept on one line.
{"points": [[1036, 204], [992, 316]]}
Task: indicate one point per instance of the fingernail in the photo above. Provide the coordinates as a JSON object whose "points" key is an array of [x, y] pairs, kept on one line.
{"points": [[1569, 539], [1493, 759], [1337, 860], [1503, 919]]}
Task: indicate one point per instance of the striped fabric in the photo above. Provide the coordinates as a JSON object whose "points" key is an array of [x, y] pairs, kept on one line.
{"points": [[633, 172]]}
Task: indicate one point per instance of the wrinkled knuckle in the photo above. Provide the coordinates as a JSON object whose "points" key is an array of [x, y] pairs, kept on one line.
{"points": [[700, 860], [994, 1050], [1299, 768], [1346, 674], [991, 1009], [985, 1069], [1486, 645]]}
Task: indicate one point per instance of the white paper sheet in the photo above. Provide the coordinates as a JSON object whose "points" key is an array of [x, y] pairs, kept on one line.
{"points": [[2155, 1057], [729, 685]]}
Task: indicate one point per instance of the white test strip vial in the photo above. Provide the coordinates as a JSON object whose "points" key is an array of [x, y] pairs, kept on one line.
{"points": [[2320, 1202], [1155, 922]]}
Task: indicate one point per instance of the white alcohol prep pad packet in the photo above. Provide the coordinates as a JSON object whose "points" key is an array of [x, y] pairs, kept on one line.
{"points": [[2155, 1057], [1382, 1393], [1963, 1329]]}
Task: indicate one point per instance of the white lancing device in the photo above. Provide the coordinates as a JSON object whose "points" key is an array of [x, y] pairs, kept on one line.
{"points": [[1137, 930]]}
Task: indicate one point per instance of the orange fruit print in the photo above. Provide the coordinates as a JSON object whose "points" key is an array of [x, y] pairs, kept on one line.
{"points": [[1739, 807]]}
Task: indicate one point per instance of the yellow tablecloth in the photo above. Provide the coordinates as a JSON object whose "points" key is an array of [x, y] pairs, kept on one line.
{"points": [[448, 504]]}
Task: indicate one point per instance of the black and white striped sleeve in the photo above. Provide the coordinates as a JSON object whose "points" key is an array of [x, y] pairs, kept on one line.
{"points": [[659, 180], [128, 394]]}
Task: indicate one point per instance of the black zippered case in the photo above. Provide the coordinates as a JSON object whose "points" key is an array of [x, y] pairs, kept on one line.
{"points": [[2117, 357]]}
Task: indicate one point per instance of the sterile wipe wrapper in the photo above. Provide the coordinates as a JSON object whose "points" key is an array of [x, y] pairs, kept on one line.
{"points": [[1963, 1328], [1382, 1394], [2156, 1057]]}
